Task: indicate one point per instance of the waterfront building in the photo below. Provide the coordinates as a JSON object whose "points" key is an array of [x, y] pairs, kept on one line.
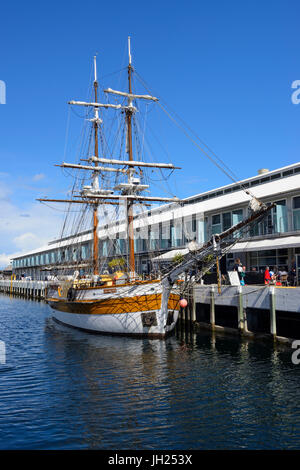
{"points": [[272, 242]]}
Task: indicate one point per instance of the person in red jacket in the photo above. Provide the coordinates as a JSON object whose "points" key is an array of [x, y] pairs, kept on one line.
{"points": [[267, 275]]}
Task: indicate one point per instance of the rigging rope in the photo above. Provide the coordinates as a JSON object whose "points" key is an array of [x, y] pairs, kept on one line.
{"points": [[222, 166]]}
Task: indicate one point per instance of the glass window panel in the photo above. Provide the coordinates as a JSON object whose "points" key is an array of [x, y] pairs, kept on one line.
{"points": [[280, 217], [165, 235], [237, 216], [296, 202], [84, 252], [296, 218], [154, 237], [216, 219], [226, 218], [105, 248], [216, 229]]}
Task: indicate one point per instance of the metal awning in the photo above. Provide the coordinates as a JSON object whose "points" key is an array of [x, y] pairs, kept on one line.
{"points": [[169, 255], [64, 266], [267, 244]]}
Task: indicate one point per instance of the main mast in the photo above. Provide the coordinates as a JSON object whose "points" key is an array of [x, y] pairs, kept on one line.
{"points": [[95, 177], [129, 112]]}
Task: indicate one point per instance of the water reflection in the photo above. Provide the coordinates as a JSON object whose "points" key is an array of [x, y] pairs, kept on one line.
{"points": [[62, 388]]}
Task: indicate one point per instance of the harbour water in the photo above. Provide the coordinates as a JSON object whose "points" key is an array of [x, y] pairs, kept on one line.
{"points": [[64, 389]]}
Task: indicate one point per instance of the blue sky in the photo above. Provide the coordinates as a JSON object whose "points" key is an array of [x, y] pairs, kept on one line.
{"points": [[226, 67]]}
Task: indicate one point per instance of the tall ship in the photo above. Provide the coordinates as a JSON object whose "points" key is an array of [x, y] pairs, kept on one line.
{"points": [[122, 302]]}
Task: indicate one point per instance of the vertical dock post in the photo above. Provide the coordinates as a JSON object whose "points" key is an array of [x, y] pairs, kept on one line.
{"points": [[241, 319], [273, 329], [193, 306], [212, 307]]}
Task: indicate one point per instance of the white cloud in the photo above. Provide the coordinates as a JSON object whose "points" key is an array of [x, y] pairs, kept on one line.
{"points": [[19, 234], [28, 241], [38, 177], [5, 259]]}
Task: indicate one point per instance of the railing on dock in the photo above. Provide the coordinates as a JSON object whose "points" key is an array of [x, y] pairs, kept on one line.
{"points": [[29, 289]]}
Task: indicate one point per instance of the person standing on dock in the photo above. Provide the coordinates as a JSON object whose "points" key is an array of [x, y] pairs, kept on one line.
{"points": [[242, 275], [268, 277], [237, 264]]}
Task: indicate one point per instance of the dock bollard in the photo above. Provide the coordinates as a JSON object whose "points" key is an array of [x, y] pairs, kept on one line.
{"points": [[273, 329], [212, 307]]}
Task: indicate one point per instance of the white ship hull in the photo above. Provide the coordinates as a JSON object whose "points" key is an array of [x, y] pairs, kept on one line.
{"points": [[142, 309]]}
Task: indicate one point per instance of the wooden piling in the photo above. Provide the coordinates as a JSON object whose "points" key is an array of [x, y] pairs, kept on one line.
{"points": [[273, 328], [212, 307], [193, 307]]}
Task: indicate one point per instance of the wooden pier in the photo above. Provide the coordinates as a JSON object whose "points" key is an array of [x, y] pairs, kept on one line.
{"points": [[27, 289], [269, 312]]}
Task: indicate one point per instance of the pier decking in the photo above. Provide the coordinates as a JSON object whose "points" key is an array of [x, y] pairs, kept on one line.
{"points": [[268, 311], [29, 289]]}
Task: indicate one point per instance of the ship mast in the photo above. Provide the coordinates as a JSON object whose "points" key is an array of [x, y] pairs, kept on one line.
{"points": [[129, 112], [95, 176], [130, 191]]}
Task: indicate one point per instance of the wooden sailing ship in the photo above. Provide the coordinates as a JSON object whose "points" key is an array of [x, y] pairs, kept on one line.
{"points": [[126, 305]]}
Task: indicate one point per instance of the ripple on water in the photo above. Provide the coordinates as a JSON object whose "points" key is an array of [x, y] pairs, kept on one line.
{"points": [[61, 389]]}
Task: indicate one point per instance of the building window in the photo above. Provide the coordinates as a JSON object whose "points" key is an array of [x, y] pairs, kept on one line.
{"points": [[271, 258], [296, 213], [226, 220], [74, 254], [189, 228], [84, 251], [237, 216], [275, 221], [154, 237], [105, 248], [165, 235], [216, 226], [279, 214], [222, 222], [176, 234]]}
